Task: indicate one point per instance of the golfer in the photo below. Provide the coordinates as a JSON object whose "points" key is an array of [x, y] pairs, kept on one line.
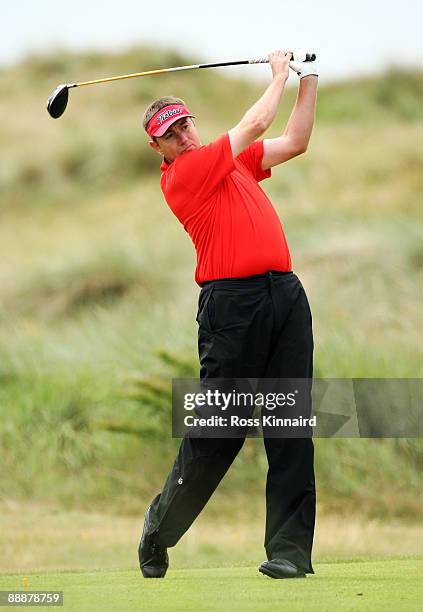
{"points": [[254, 318]]}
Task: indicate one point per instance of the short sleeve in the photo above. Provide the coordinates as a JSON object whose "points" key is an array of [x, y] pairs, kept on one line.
{"points": [[251, 158], [202, 170]]}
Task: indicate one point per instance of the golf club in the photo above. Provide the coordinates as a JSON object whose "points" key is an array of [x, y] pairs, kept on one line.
{"points": [[58, 99]]}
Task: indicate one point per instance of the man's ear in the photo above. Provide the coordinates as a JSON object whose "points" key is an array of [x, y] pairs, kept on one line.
{"points": [[154, 145]]}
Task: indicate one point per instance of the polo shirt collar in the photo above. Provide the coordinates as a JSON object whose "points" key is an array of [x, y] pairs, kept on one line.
{"points": [[164, 165]]}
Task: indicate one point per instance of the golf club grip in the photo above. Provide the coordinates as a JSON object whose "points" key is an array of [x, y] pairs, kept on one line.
{"points": [[297, 56]]}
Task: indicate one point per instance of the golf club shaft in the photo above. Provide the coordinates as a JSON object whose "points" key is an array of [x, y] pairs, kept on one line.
{"points": [[179, 68]]}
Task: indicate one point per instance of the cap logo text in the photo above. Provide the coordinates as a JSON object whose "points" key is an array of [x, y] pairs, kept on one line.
{"points": [[169, 113]]}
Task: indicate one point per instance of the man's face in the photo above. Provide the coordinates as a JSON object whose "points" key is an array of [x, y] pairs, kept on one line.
{"points": [[181, 137]]}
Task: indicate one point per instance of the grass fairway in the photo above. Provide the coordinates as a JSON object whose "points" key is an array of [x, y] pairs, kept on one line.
{"points": [[393, 584]]}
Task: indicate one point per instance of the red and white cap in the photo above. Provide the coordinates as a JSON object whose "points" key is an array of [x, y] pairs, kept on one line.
{"points": [[165, 117]]}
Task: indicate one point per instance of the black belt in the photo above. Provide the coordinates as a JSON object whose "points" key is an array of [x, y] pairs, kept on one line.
{"points": [[267, 275]]}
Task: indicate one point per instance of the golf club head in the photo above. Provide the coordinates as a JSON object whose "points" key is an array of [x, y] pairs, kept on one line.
{"points": [[58, 100]]}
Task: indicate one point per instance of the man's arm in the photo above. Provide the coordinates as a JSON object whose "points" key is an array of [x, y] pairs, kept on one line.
{"points": [[296, 136], [258, 118]]}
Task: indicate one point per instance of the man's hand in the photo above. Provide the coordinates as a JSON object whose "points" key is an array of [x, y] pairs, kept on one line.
{"points": [[279, 62], [304, 69]]}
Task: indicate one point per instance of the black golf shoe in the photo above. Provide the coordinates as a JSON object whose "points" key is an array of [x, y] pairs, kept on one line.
{"points": [[153, 557], [281, 568]]}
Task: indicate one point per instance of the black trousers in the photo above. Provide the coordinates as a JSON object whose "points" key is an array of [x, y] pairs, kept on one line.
{"points": [[254, 327]]}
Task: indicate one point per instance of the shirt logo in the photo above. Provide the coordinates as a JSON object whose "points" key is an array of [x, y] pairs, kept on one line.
{"points": [[169, 113]]}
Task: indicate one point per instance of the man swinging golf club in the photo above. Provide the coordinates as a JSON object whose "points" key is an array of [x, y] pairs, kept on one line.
{"points": [[254, 317]]}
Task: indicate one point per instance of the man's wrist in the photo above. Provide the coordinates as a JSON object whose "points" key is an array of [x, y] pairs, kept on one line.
{"points": [[280, 79], [309, 77]]}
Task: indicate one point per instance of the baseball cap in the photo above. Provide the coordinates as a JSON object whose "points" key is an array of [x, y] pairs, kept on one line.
{"points": [[165, 117]]}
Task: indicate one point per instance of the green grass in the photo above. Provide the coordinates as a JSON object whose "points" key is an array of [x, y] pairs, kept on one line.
{"points": [[377, 585], [39, 538]]}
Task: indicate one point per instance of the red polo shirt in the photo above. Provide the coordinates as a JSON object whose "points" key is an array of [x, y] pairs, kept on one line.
{"points": [[231, 221]]}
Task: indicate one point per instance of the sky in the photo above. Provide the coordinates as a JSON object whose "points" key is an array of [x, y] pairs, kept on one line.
{"points": [[350, 37]]}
